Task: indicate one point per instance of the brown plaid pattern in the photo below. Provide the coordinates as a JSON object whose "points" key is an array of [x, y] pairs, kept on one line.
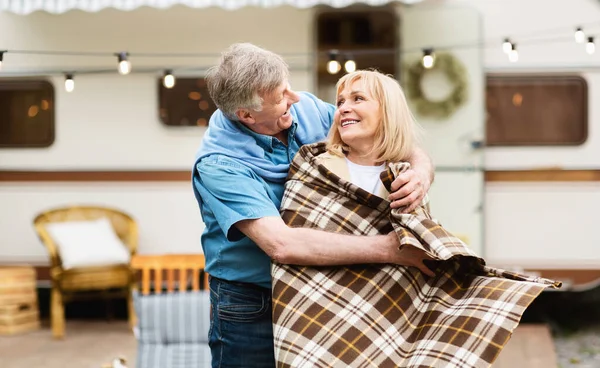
{"points": [[387, 315]]}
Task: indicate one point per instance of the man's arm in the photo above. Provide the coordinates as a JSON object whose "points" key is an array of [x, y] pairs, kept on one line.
{"points": [[421, 161], [304, 246], [409, 188], [242, 206]]}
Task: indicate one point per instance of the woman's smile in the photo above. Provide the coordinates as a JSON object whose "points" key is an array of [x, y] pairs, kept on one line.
{"points": [[348, 122]]}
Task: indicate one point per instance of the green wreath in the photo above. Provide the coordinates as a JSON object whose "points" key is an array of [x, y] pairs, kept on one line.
{"points": [[456, 74]]}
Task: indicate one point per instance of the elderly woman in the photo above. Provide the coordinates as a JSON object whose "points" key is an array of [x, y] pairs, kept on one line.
{"points": [[459, 314]]}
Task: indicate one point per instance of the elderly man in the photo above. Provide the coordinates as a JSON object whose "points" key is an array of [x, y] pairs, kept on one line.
{"points": [[238, 180]]}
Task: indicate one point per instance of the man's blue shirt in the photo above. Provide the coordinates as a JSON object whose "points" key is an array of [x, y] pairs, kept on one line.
{"points": [[240, 175]]}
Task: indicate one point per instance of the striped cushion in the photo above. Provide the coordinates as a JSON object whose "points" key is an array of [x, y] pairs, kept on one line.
{"points": [[173, 356], [173, 330]]}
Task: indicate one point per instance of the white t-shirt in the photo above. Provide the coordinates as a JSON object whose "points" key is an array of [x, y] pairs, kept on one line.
{"points": [[366, 177]]}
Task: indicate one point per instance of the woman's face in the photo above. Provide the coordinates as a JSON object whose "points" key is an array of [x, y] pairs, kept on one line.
{"points": [[358, 116]]}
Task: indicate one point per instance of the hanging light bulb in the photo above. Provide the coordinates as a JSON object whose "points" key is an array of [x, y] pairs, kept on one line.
{"points": [[168, 79], [333, 66], [506, 46], [1, 58], [349, 65], [69, 83], [428, 58], [579, 35], [513, 55], [124, 64], [590, 48]]}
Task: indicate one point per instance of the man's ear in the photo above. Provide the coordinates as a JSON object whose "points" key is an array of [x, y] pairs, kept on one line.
{"points": [[245, 116]]}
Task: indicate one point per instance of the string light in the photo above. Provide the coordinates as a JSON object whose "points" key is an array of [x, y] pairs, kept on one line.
{"points": [[333, 66], [349, 65], [69, 83], [513, 55], [590, 48], [579, 35], [124, 64], [168, 79], [506, 46], [428, 58]]}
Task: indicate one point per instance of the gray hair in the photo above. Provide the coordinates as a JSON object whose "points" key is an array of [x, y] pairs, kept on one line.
{"points": [[243, 74]]}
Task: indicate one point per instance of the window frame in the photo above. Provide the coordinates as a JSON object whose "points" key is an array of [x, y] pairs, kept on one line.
{"points": [[320, 59], [28, 83], [557, 76], [159, 98]]}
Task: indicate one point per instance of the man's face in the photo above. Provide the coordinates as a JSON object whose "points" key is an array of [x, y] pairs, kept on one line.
{"points": [[275, 115]]}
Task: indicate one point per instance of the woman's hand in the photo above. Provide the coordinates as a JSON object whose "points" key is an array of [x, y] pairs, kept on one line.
{"points": [[409, 189]]}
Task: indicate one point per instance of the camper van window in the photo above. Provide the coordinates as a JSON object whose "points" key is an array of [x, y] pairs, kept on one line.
{"points": [[187, 103], [529, 110], [366, 35], [26, 113]]}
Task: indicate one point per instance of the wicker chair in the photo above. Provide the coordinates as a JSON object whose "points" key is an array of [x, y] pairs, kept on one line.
{"points": [[67, 285]]}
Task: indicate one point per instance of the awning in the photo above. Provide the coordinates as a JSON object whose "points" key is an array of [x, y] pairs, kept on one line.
{"points": [[24, 7]]}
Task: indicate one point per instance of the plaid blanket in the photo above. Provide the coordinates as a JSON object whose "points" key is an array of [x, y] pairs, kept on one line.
{"points": [[374, 315]]}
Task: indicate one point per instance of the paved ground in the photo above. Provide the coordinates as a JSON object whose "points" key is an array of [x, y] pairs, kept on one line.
{"points": [[573, 318]]}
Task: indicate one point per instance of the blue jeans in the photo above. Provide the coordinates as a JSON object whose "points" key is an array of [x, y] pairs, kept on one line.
{"points": [[241, 327]]}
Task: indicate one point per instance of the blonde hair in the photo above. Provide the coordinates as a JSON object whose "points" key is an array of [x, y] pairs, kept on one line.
{"points": [[399, 131], [244, 72]]}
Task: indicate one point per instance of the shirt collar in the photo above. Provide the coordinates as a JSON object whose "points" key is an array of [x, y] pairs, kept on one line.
{"points": [[267, 142]]}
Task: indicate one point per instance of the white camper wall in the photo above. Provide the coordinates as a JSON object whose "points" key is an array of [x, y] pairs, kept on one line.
{"points": [[526, 224], [110, 122], [543, 224]]}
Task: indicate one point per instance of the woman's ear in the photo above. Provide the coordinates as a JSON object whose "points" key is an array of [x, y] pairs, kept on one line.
{"points": [[245, 116]]}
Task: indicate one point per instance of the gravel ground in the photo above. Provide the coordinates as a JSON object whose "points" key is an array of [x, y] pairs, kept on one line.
{"points": [[574, 318], [579, 349]]}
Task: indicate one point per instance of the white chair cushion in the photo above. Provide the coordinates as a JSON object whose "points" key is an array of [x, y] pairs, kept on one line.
{"points": [[88, 243]]}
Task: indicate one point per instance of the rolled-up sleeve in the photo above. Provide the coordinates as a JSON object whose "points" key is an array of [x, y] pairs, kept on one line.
{"points": [[232, 192]]}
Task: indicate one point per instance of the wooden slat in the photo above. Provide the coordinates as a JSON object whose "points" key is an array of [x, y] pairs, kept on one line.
{"points": [[195, 279], [86, 176], [12, 299], [20, 306], [551, 174], [146, 281], [20, 317], [170, 262], [25, 327], [158, 280], [170, 280], [182, 279]]}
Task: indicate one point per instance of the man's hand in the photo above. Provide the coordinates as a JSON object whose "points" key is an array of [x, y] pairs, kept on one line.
{"points": [[409, 189], [411, 256]]}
